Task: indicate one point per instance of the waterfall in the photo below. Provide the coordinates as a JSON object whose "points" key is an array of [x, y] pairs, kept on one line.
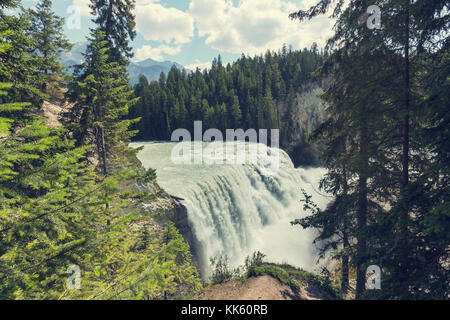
{"points": [[237, 209]]}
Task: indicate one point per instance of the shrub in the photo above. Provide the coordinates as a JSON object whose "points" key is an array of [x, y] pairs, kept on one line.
{"points": [[222, 272], [254, 261]]}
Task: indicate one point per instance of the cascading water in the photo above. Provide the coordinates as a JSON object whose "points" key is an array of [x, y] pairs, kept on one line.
{"points": [[237, 209]]}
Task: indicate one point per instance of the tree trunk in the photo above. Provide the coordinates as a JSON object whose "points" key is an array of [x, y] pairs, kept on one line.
{"points": [[345, 279], [103, 154], [404, 213], [362, 215], [101, 147], [45, 55]]}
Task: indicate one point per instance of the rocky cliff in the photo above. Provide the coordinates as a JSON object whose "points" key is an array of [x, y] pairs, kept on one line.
{"points": [[299, 120], [166, 208]]}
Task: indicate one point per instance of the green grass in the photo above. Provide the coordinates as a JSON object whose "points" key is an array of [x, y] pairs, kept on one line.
{"points": [[292, 277], [325, 284], [275, 272]]}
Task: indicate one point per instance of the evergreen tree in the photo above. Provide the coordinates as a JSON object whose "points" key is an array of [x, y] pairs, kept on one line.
{"points": [[19, 65], [250, 89], [101, 102], [56, 211], [116, 19], [48, 199], [385, 110], [47, 31]]}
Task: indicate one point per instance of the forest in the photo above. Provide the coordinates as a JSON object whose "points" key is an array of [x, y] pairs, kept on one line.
{"points": [[386, 147], [246, 94], [69, 195]]}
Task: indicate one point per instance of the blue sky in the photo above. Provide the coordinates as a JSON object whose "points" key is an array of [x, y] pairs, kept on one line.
{"points": [[193, 32]]}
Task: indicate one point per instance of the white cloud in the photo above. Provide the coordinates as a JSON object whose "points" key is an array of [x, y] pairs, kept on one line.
{"points": [[156, 53], [250, 27], [255, 26], [158, 23], [200, 65]]}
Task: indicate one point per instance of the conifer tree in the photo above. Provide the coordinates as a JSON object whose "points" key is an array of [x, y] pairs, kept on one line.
{"points": [[180, 98], [55, 209], [409, 36], [47, 31], [19, 66], [116, 19], [101, 102], [48, 198]]}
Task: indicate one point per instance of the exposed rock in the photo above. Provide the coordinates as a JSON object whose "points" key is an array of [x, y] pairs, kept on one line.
{"points": [[169, 208], [308, 112], [52, 110]]}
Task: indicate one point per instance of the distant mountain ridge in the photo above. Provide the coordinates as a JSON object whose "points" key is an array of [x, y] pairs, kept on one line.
{"points": [[150, 68]]}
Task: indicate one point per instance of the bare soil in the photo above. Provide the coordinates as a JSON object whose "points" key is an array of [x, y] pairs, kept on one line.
{"points": [[264, 287]]}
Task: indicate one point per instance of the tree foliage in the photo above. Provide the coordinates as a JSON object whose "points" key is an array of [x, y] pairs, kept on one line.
{"points": [[57, 209], [246, 94], [46, 29], [377, 148]]}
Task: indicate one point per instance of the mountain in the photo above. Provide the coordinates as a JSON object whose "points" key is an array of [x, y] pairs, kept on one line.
{"points": [[75, 56], [150, 68]]}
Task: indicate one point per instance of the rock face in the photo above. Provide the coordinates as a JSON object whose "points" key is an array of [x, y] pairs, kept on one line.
{"points": [[169, 208], [177, 213], [308, 112], [52, 110]]}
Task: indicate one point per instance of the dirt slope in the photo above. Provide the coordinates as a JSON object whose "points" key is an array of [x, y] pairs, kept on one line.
{"points": [[263, 287]]}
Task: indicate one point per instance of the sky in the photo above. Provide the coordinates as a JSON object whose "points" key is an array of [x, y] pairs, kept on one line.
{"points": [[193, 32]]}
